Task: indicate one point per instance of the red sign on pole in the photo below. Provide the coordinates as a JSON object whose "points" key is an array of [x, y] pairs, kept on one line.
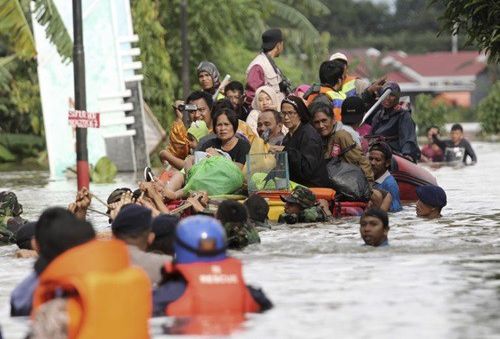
{"points": [[83, 119]]}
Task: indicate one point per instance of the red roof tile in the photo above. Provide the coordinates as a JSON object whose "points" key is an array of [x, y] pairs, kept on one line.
{"points": [[444, 63]]}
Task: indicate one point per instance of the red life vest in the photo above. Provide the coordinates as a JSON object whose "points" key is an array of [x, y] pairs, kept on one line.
{"points": [[215, 288]]}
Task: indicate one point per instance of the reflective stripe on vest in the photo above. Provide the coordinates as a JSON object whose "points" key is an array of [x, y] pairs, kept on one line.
{"points": [[102, 290], [348, 87], [215, 288]]}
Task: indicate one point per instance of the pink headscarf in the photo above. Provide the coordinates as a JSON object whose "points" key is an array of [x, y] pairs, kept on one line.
{"points": [[301, 89]]}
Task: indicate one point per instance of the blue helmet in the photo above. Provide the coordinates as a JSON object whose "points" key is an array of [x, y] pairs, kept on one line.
{"points": [[199, 239]]}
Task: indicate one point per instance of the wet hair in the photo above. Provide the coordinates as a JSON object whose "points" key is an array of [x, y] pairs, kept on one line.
{"points": [[277, 115], [257, 207], [221, 105], [201, 95], [384, 148], [231, 116], [457, 127], [58, 230], [323, 107], [330, 72], [163, 227], [231, 211], [299, 106], [24, 235], [379, 214], [234, 86]]}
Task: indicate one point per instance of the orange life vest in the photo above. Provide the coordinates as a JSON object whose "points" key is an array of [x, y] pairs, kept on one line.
{"points": [[215, 288], [336, 99], [107, 297]]}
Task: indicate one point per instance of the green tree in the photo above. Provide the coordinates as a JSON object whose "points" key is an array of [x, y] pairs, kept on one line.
{"points": [[479, 19], [489, 110], [428, 113], [159, 79]]}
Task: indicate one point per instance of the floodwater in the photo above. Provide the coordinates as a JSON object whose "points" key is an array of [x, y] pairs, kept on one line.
{"points": [[437, 279]]}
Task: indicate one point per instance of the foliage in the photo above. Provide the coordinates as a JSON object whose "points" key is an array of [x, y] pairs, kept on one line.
{"points": [[411, 27], [14, 19], [22, 145], [229, 35], [479, 19], [6, 155], [45, 12], [489, 110], [159, 79], [104, 171], [20, 106], [428, 113]]}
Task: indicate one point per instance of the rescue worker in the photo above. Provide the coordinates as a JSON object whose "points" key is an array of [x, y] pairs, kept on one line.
{"points": [[393, 124], [163, 227], [351, 86], [302, 206], [234, 217], [258, 210], [92, 291], [374, 227], [380, 158], [201, 267], [10, 217], [56, 231], [264, 71], [132, 225], [431, 200], [331, 76]]}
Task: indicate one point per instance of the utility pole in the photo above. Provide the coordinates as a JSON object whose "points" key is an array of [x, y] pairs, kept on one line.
{"points": [[186, 86], [82, 165], [454, 39]]}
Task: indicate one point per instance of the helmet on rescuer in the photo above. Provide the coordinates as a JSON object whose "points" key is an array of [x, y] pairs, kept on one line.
{"points": [[199, 239]]}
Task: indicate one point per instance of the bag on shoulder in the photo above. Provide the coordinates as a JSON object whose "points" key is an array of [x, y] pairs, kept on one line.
{"points": [[348, 180]]}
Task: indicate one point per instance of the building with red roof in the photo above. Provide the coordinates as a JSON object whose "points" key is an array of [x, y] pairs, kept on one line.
{"points": [[459, 78]]}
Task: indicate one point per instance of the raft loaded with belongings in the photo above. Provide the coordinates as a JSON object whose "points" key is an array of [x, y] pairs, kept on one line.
{"points": [[409, 176]]}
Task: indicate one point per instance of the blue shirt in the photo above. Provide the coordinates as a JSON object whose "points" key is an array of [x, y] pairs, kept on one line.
{"points": [[388, 183], [22, 296]]}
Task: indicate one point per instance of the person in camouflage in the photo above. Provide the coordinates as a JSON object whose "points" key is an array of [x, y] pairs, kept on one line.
{"points": [[302, 206], [234, 217], [10, 217]]}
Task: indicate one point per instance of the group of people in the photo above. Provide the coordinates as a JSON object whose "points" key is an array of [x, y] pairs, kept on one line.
{"points": [[317, 126], [167, 251]]}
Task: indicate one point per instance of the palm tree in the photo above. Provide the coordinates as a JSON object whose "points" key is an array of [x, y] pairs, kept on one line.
{"points": [[13, 19]]}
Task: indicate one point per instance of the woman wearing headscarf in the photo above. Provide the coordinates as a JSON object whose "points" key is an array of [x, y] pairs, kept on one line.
{"points": [[209, 78], [303, 145], [265, 99]]}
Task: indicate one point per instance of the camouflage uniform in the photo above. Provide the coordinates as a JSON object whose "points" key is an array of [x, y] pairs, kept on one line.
{"points": [[240, 234], [310, 212], [10, 220]]}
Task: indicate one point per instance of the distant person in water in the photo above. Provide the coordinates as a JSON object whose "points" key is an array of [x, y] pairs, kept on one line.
{"points": [[380, 158], [454, 144], [431, 200], [431, 152], [374, 227]]}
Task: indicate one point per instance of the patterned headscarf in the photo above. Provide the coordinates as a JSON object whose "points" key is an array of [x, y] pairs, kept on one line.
{"points": [[210, 68]]}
